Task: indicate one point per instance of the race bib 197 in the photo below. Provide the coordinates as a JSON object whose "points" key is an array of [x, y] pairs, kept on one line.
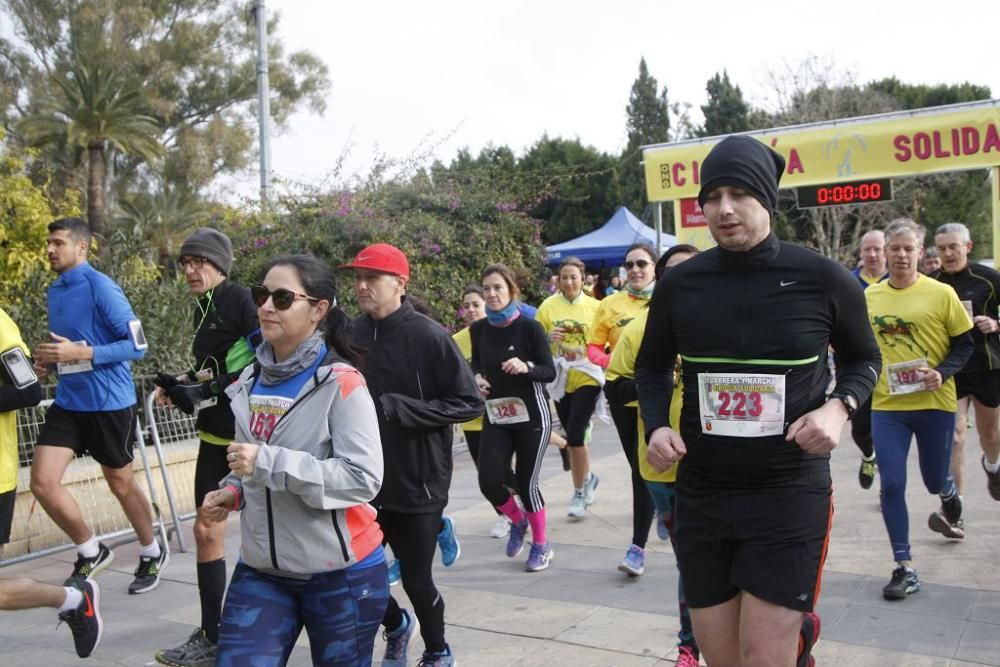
{"points": [[510, 410], [742, 405], [905, 377]]}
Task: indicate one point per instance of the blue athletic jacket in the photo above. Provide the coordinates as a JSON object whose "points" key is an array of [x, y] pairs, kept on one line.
{"points": [[86, 305]]}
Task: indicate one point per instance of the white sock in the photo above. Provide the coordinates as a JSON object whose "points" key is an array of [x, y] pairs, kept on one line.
{"points": [[868, 458], [151, 550], [991, 467], [90, 548], [74, 596]]}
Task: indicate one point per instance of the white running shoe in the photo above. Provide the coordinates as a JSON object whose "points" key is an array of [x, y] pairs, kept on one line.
{"points": [[577, 506], [501, 527]]}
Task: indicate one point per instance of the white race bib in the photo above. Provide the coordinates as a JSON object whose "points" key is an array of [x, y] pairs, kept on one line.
{"points": [[511, 410], [70, 367], [905, 378], [742, 405]]}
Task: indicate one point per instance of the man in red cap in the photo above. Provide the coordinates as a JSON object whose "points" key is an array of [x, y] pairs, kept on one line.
{"points": [[421, 386]]}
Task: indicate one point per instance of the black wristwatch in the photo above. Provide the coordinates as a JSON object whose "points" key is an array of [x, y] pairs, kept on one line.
{"points": [[849, 402]]}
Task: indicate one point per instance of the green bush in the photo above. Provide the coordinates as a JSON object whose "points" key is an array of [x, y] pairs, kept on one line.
{"points": [[448, 238]]}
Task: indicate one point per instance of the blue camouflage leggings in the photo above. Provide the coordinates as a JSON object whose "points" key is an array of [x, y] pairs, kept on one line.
{"points": [[340, 610]]}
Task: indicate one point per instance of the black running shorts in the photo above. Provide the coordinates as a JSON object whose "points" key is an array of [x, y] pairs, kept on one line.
{"points": [[770, 543], [107, 436], [984, 386], [6, 514], [211, 468], [575, 411]]}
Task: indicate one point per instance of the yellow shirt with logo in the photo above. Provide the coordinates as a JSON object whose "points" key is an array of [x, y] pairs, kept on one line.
{"points": [[10, 337], [576, 319], [916, 322], [613, 314], [464, 342], [622, 364]]}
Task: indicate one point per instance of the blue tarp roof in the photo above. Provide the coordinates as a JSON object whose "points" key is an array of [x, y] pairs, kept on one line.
{"points": [[606, 246]]}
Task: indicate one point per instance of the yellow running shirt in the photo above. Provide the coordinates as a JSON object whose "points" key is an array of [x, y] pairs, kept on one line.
{"points": [[622, 364], [913, 327], [464, 342], [613, 314], [10, 337], [576, 318]]}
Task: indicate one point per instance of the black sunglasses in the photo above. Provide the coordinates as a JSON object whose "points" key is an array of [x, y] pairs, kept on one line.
{"points": [[640, 263], [281, 298]]}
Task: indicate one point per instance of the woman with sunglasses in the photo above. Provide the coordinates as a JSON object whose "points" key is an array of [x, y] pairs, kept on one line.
{"points": [[512, 363], [225, 321], [568, 318], [306, 462], [615, 312]]}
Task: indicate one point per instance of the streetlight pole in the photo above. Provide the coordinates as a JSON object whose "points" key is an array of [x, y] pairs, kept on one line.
{"points": [[263, 102]]}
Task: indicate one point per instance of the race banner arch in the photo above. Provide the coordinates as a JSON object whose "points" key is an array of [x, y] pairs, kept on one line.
{"points": [[906, 143]]}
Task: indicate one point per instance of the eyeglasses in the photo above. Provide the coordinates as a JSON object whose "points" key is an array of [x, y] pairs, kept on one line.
{"points": [[281, 298], [193, 262], [639, 264]]}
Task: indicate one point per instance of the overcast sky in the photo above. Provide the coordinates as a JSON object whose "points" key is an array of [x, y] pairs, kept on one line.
{"points": [[442, 74]]}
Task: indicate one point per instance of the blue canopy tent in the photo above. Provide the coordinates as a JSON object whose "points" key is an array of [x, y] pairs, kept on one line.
{"points": [[606, 246]]}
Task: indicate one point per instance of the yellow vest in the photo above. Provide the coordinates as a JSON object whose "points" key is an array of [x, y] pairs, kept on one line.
{"points": [[464, 342], [10, 337]]}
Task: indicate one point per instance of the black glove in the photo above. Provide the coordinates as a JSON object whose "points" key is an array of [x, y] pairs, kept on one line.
{"points": [[186, 396], [165, 381]]}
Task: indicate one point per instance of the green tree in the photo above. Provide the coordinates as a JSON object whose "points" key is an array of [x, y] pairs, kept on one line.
{"points": [[648, 123], [726, 112], [97, 108], [576, 187], [197, 59], [909, 96]]}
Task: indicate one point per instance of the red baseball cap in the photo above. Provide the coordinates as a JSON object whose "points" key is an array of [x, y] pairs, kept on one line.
{"points": [[381, 257]]}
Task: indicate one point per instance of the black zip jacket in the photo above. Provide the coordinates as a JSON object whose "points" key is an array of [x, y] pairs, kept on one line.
{"points": [[980, 285], [222, 322], [421, 385], [774, 309]]}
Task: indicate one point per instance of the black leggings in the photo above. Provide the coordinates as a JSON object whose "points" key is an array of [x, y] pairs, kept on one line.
{"points": [[498, 447], [473, 438], [861, 428], [627, 423], [413, 538], [575, 411]]}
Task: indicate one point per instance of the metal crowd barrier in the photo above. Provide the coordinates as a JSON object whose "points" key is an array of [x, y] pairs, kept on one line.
{"points": [[34, 535]]}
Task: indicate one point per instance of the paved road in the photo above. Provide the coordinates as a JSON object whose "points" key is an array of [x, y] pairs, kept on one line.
{"points": [[582, 611]]}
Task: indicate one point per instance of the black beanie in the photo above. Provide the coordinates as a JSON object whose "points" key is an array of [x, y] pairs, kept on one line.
{"points": [[211, 244], [742, 162]]}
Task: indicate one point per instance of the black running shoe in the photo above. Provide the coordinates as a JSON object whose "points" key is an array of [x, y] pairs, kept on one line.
{"points": [[866, 473], [147, 575], [87, 568], [85, 621], [904, 582], [992, 480], [952, 509]]}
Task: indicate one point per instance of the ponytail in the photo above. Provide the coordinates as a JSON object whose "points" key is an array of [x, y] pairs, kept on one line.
{"points": [[337, 331]]}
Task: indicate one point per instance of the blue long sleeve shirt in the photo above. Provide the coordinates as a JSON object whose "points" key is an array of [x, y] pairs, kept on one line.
{"points": [[86, 305]]}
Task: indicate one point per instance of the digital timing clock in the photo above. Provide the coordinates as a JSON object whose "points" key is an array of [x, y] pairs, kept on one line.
{"points": [[839, 194]]}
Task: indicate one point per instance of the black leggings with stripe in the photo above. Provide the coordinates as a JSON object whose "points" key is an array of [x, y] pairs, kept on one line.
{"points": [[497, 447]]}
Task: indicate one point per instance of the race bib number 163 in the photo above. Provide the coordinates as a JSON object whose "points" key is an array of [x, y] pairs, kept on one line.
{"points": [[742, 405]]}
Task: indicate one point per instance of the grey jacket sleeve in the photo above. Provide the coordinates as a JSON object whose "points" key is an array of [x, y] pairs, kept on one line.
{"points": [[353, 472]]}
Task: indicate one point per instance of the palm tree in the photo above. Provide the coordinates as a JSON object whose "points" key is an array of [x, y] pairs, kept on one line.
{"points": [[95, 109], [161, 219]]}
